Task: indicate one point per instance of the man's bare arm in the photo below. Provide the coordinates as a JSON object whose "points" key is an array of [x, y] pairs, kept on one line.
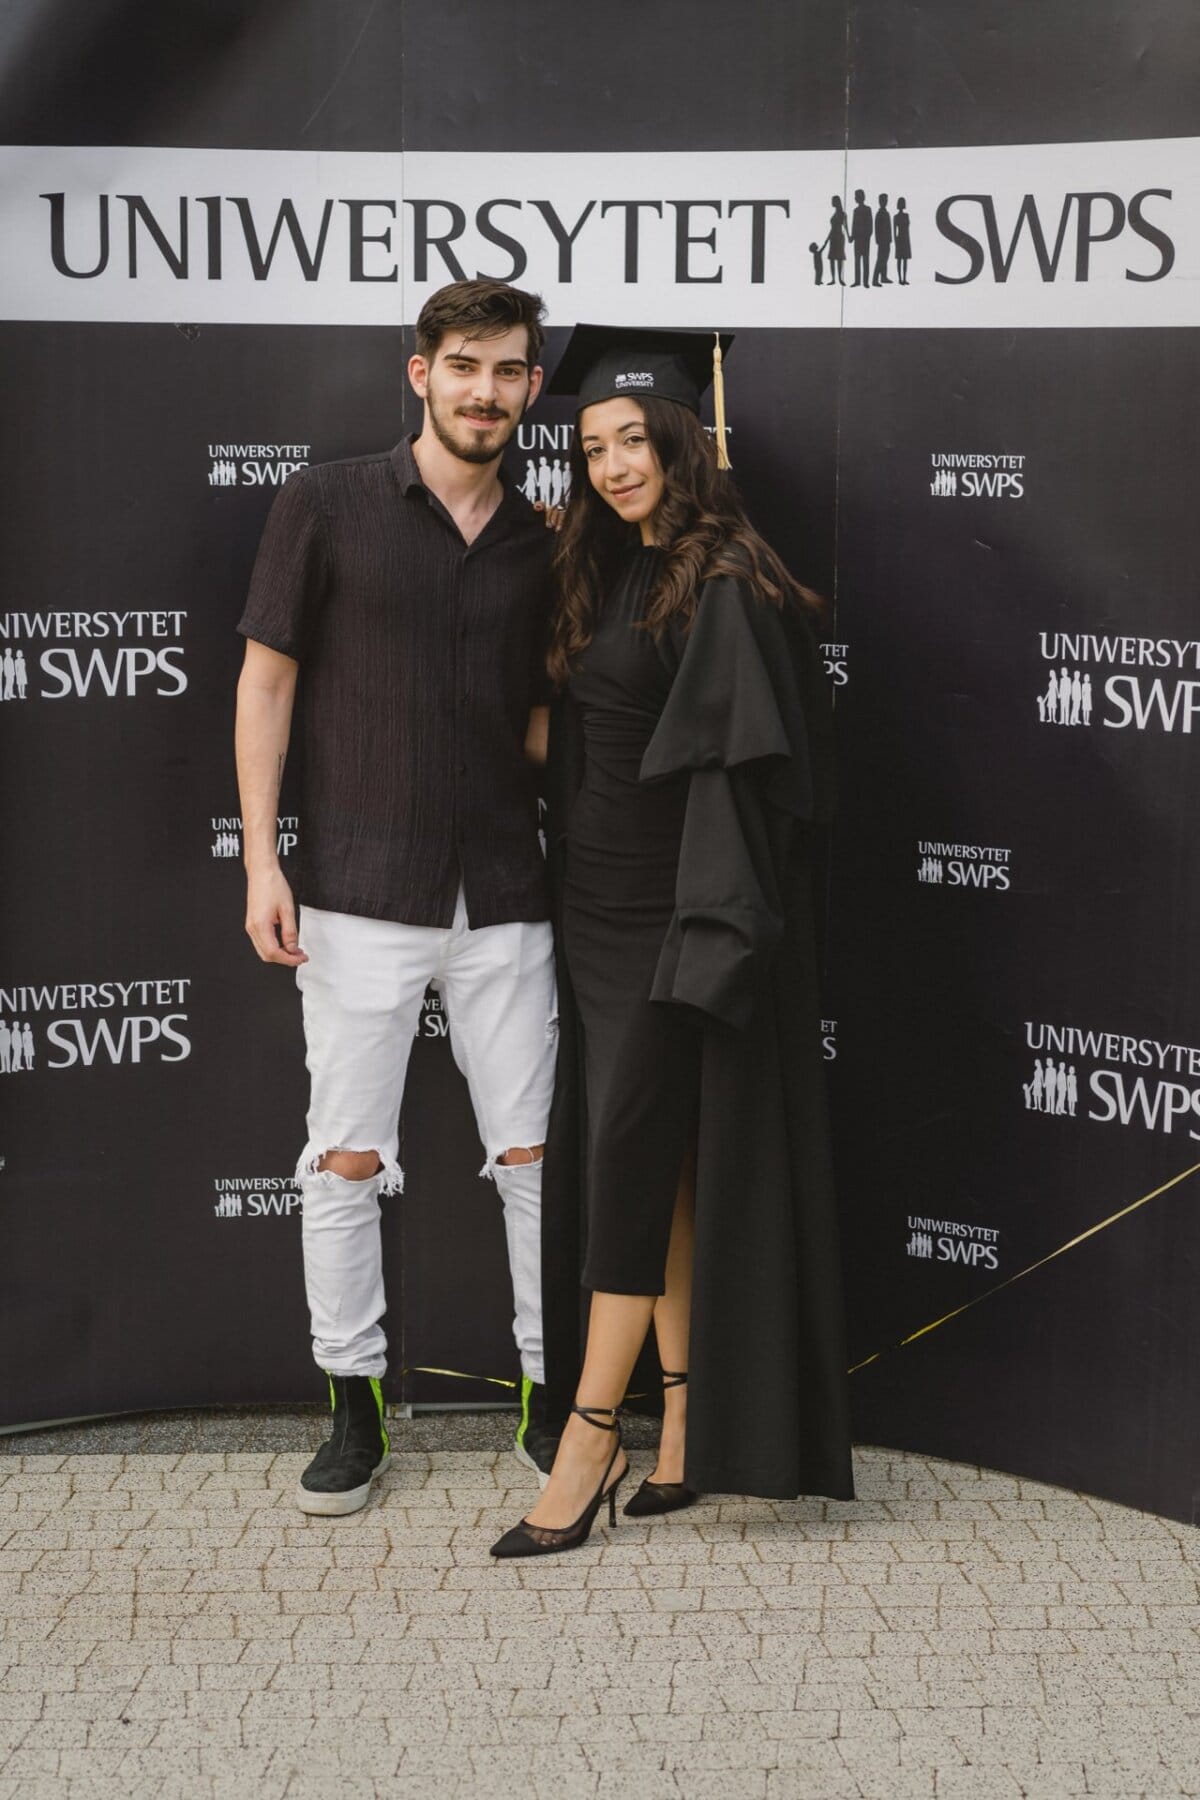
{"points": [[266, 692]]}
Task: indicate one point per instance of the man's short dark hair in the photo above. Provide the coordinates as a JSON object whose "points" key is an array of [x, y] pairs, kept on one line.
{"points": [[480, 309]]}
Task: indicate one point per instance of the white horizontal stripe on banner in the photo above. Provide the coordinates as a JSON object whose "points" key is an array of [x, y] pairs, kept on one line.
{"points": [[1093, 234]]}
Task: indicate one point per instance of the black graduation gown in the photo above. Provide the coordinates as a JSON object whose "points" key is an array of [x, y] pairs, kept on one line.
{"points": [[748, 717]]}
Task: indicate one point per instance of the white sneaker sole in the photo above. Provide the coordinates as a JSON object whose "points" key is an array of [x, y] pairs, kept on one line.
{"points": [[522, 1455], [335, 1506]]}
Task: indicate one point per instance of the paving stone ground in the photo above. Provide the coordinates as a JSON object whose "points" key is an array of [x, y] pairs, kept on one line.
{"points": [[172, 1626]]}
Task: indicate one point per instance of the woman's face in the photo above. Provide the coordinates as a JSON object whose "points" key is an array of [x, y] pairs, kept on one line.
{"points": [[621, 463]]}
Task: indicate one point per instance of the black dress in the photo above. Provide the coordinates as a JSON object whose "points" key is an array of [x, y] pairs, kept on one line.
{"points": [[641, 1060], [712, 958]]}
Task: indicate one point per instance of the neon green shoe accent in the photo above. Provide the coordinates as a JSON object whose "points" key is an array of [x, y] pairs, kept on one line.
{"points": [[526, 1391], [377, 1390]]}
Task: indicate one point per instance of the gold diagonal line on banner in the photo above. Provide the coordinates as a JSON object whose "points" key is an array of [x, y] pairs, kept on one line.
{"points": [[495, 1380], [460, 1375], [1070, 1244], [922, 1331]]}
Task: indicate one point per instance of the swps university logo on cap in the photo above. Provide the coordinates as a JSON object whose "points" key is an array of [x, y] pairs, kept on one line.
{"points": [[636, 378]]}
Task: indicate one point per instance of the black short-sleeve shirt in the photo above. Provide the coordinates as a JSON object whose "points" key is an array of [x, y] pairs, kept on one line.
{"points": [[421, 657]]}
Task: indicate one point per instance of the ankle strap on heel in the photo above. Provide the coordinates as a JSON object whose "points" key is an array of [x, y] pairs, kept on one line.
{"points": [[604, 1418], [674, 1377]]}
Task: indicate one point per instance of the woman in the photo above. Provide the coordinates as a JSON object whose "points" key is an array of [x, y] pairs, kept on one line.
{"points": [[903, 229], [691, 753], [837, 242]]}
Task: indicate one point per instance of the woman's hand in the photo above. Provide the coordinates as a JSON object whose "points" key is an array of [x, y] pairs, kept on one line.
{"points": [[554, 515]]}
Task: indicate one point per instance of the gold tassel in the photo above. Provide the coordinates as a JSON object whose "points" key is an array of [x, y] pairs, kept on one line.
{"points": [[723, 461]]}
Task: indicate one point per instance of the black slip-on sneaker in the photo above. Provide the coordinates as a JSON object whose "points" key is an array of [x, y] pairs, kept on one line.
{"points": [[338, 1479]]}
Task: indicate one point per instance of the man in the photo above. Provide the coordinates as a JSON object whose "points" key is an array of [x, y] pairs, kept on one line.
{"points": [[861, 226], [410, 589], [883, 244]]}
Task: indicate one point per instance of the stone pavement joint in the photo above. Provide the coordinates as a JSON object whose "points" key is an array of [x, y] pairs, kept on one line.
{"points": [[170, 1625]]}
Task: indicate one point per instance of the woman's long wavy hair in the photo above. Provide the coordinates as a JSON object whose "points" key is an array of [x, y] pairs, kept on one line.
{"points": [[701, 524]]}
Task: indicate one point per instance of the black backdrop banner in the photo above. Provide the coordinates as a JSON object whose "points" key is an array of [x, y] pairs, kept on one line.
{"points": [[218, 227]]}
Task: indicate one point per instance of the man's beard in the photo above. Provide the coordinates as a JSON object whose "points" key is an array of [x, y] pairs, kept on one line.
{"points": [[468, 449]]}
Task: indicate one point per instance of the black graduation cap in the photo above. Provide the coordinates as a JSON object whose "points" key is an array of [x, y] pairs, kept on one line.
{"points": [[604, 362]]}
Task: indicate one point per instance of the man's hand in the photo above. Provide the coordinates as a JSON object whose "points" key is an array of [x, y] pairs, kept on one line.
{"points": [[271, 919], [266, 691]]}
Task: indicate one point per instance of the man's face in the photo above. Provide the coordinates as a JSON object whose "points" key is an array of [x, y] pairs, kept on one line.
{"points": [[475, 391]]}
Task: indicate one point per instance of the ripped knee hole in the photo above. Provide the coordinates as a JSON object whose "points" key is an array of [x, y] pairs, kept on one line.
{"points": [[351, 1165], [522, 1157]]}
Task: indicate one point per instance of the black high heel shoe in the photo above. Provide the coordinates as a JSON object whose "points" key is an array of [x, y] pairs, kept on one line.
{"points": [[661, 1496], [545, 1540]]}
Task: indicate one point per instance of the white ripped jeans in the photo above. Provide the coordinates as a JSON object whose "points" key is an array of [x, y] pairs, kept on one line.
{"points": [[362, 990]]}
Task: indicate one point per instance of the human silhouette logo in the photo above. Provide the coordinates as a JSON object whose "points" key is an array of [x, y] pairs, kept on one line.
{"points": [[1067, 699], [932, 868], [229, 1206], [944, 485], [16, 1047], [14, 675], [876, 235], [1053, 1088], [223, 473], [921, 1244], [548, 480], [227, 843]]}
